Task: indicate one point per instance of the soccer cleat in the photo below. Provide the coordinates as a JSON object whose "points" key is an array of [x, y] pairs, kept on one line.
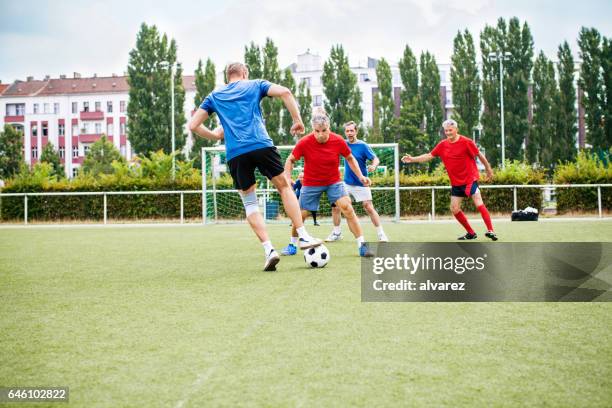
{"points": [[491, 234], [467, 236], [289, 250], [383, 237], [309, 242], [332, 237], [271, 260], [365, 252]]}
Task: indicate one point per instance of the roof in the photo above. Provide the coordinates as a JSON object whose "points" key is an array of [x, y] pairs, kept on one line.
{"points": [[65, 86], [3, 88]]}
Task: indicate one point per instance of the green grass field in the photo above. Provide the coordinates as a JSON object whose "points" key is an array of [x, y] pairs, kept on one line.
{"points": [[183, 317]]}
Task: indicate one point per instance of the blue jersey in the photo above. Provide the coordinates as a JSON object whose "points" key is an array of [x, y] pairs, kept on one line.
{"points": [[362, 153], [237, 105]]}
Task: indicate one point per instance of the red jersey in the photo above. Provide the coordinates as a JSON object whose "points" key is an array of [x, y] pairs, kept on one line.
{"points": [[321, 160], [459, 160]]}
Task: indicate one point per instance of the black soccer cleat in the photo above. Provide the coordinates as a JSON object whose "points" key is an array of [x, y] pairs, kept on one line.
{"points": [[491, 234], [467, 237]]}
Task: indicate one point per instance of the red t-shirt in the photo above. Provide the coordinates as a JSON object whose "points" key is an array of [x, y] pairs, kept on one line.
{"points": [[459, 160], [321, 160]]}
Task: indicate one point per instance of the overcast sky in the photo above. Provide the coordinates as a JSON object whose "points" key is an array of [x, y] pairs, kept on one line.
{"points": [[39, 38]]}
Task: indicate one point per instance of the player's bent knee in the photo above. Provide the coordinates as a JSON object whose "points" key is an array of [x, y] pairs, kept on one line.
{"points": [[249, 200]]}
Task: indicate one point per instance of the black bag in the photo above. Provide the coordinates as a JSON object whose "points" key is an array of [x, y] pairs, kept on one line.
{"points": [[524, 216]]}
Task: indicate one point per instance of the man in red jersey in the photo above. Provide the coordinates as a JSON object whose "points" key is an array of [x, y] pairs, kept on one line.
{"points": [[321, 151], [458, 154]]}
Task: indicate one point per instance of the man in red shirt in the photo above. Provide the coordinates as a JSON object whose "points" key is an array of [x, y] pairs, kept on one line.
{"points": [[458, 155], [321, 151]]}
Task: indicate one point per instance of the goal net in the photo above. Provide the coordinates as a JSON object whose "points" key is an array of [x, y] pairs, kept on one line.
{"points": [[222, 203]]}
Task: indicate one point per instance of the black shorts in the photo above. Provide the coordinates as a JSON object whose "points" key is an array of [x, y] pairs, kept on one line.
{"points": [[242, 168], [466, 190]]}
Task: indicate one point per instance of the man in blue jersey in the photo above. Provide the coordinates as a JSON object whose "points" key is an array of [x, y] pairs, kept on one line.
{"points": [[360, 193], [248, 147]]}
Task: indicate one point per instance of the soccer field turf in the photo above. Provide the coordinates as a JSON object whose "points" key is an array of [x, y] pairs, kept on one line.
{"points": [[183, 316]]}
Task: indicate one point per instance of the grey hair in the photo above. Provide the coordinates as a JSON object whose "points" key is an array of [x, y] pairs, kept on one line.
{"points": [[319, 117], [449, 123]]}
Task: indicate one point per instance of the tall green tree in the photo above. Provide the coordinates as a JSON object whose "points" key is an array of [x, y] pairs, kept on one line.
{"points": [[51, 156], [287, 81], [205, 81], [252, 58], [431, 104], [517, 40], [564, 146], [544, 123], [383, 102], [100, 157], [11, 155], [149, 77], [592, 84], [271, 107], [304, 100], [606, 64], [343, 97], [465, 81], [411, 137]]}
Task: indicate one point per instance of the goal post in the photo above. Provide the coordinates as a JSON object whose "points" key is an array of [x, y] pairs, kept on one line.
{"points": [[221, 202]]}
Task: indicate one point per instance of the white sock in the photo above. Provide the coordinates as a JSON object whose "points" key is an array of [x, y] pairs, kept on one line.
{"points": [[337, 230], [360, 240], [267, 246], [380, 230], [294, 240], [302, 232]]}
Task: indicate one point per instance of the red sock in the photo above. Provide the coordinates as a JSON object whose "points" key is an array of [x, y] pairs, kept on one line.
{"points": [[460, 216], [486, 217]]}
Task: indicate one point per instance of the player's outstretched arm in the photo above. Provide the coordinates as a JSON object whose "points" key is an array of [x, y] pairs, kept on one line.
{"points": [[286, 96], [374, 164], [352, 162], [417, 159], [487, 165], [196, 126], [289, 168]]}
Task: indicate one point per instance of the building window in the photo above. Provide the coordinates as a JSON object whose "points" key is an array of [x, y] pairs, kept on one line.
{"points": [[317, 100], [74, 107], [35, 152], [109, 106], [62, 152], [85, 106], [85, 129], [56, 108], [34, 130], [109, 129], [86, 149], [363, 77], [45, 108], [122, 129], [122, 106], [13, 109], [98, 106], [45, 129], [61, 129], [123, 151], [35, 108], [307, 81], [98, 128], [75, 130], [75, 151], [75, 171]]}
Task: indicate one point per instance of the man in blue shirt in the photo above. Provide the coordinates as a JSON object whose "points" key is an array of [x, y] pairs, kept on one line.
{"points": [[248, 147], [362, 152]]}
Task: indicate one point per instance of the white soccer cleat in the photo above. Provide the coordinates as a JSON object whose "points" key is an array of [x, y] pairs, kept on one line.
{"points": [[310, 242], [271, 260], [383, 237], [333, 237]]}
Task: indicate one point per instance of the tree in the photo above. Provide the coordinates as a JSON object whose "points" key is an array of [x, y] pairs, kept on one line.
{"points": [[343, 97], [465, 81], [286, 120], [271, 107], [252, 58], [149, 77], [431, 105], [51, 156], [11, 155], [383, 102], [100, 157], [592, 83], [491, 41], [564, 147], [606, 64], [205, 81], [304, 100], [544, 123]]}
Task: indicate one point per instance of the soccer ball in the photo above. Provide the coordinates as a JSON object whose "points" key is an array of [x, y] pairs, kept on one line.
{"points": [[317, 257]]}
